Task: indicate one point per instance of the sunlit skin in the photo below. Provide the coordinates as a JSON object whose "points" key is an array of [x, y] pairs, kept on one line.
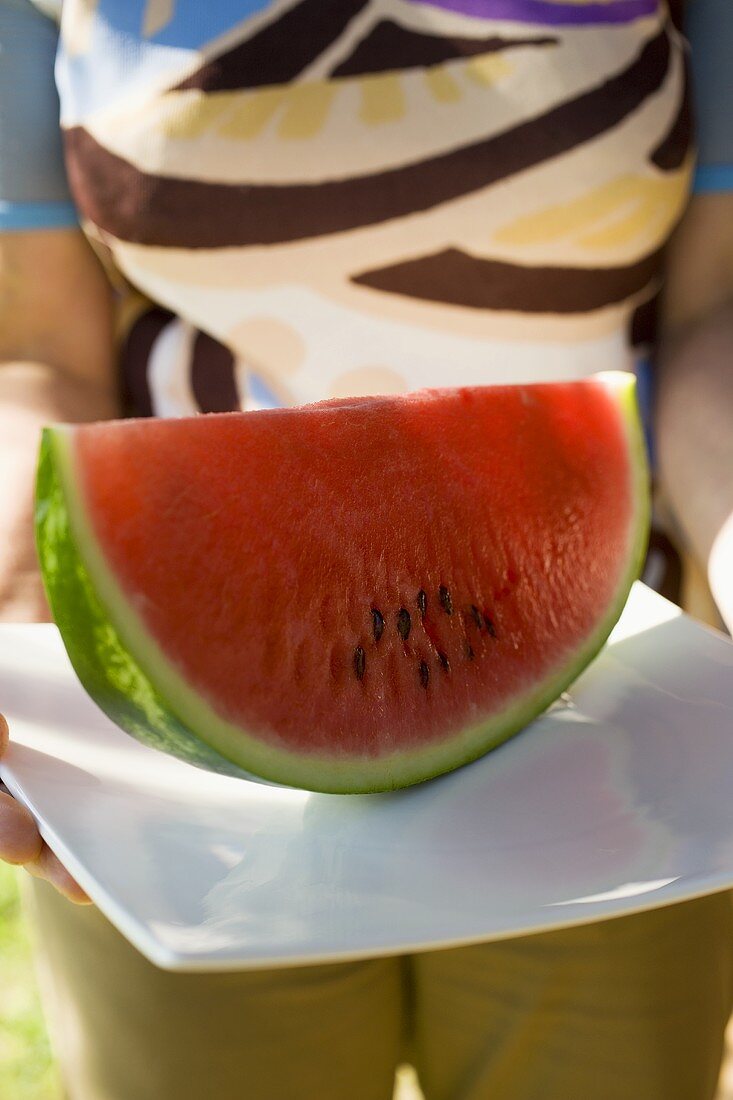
{"points": [[21, 843], [51, 370]]}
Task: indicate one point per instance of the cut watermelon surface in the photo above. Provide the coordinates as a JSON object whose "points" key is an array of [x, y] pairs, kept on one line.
{"points": [[350, 596]]}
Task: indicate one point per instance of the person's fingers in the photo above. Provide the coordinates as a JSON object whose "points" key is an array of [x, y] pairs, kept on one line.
{"points": [[48, 866], [20, 840]]}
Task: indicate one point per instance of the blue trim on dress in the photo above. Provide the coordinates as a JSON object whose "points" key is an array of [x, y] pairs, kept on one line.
{"points": [[713, 177], [38, 215]]}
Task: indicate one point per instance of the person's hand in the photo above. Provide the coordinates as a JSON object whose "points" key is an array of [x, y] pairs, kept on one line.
{"points": [[21, 843]]}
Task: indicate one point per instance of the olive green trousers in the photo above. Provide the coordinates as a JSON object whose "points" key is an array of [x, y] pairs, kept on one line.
{"points": [[628, 1009]]}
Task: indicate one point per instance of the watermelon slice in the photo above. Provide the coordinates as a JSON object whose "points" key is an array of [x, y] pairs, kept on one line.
{"points": [[350, 596]]}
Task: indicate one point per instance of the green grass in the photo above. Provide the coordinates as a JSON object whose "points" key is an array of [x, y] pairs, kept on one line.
{"points": [[26, 1065]]}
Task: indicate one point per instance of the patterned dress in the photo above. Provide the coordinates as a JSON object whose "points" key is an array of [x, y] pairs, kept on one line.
{"points": [[332, 197]]}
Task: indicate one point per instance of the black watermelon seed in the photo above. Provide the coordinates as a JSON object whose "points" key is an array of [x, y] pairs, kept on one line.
{"points": [[424, 674], [359, 662], [489, 625], [422, 602], [445, 601], [469, 652], [404, 623], [377, 624], [444, 661], [477, 616]]}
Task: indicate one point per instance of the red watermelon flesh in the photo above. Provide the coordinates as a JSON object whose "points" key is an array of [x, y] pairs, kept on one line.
{"points": [[358, 594]]}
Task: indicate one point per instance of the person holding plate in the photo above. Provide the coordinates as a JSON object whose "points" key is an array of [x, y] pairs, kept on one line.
{"points": [[262, 203]]}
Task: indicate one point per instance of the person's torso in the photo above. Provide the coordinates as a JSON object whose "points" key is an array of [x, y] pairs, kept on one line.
{"points": [[332, 197]]}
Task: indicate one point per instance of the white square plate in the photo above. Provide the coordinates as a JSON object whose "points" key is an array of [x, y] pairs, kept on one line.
{"points": [[618, 799]]}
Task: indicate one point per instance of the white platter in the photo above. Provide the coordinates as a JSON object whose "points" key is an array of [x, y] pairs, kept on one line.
{"points": [[616, 800]]}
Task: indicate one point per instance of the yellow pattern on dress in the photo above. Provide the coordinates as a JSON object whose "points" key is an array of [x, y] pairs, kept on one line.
{"points": [[383, 99], [252, 114], [488, 68], [192, 117], [612, 215], [442, 85], [306, 111], [158, 14]]}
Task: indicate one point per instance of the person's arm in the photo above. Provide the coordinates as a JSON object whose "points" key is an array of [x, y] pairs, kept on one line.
{"points": [[55, 339], [695, 391], [56, 364], [694, 415]]}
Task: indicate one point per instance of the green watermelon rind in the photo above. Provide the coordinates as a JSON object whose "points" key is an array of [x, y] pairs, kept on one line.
{"points": [[118, 662]]}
